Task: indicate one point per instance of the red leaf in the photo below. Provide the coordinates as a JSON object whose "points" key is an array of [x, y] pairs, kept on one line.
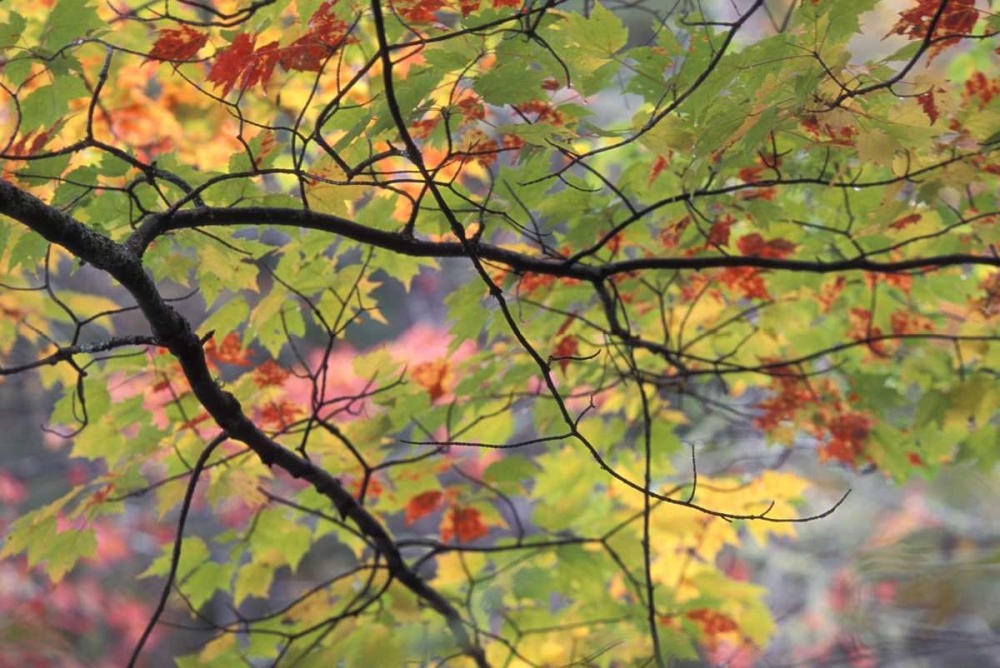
{"points": [[269, 374], [325, 35], [468, 6], [261, 66], [718, 234], [959, 17], [711, 622], [465, 524], [929, 105], [905, 221], [754, 245], [176, 45], [280, 415], [746, 280], [566, 348], [230, 352], [497, 4], [979, 86], [658, 167], [231, 61], [418, 11], [848, 435], [422, 505]]}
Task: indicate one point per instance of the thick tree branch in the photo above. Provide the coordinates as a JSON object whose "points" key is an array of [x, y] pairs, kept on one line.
{"points": [[174, 332], [521, 262]]}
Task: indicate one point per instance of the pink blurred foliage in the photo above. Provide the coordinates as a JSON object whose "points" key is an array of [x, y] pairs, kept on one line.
{"points": [[12, 491], [725, 654], [83, 620]]}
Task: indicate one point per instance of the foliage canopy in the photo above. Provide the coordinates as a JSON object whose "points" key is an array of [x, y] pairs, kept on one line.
{"points": [[637, 227]]}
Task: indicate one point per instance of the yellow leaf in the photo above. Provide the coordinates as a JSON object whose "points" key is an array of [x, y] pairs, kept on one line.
{"points": [[337, 197], [217, 648]]}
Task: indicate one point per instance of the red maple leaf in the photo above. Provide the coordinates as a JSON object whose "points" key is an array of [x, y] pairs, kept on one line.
{"points": [[745, 280], [718, 234], [279, 415], [176, 45], [711, 622], [325, 35], [231, 61], [497, 4], [418, 11], [466, 524], [848, 435], [905, 221], [468, 6], [959, 18], [567, 347], [261, 66], [929, 105], [422, 505], [658, 166], [269, 374], [754, 245], [229, 352]]}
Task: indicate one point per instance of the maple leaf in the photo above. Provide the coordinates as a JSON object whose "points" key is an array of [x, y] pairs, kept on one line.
{"points": [[849, 432], [745, 280], [980, 87], [929, 105], [905, 221], [279, 415], [269, 374], [422, 505], [958, 18], [718, 234], [242, 63], [433, 376], [182, 44], [658, 166], [261, 66], [567, 347], [753, 245], [712, 622], [231, 61], [418, 11], [464, 524], [230, 352], [308, 53]]}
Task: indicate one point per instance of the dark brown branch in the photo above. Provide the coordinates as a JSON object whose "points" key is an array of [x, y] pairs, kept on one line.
{"points": [[174, 332], [520, 262]]}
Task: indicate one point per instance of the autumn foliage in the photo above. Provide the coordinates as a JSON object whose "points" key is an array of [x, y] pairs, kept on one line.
{"points": [[439, 332]]}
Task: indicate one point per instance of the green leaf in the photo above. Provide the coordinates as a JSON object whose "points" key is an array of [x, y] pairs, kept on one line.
{"points": [[47, 104], [70, 20]]}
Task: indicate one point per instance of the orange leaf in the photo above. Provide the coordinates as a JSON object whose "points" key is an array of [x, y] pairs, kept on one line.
{"points": [[434, 376]]}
